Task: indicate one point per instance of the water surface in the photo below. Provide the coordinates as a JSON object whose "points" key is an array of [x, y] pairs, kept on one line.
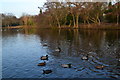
{"points": [[22, 49]]}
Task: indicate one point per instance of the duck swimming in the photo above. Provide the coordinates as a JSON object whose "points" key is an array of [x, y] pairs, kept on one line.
{"points": [[84, 58], [45, 44], [99, 67], [47, 71], [44, 57], [66, 65], [42, 64], [58, 49]]}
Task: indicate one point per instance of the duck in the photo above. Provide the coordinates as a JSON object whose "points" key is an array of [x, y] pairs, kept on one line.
{"points": [[17, 30], [66, 65], [44, 57], [84, 58], [99, 67], [42, 64], [58, 49], [47, 71], [45, 44]]}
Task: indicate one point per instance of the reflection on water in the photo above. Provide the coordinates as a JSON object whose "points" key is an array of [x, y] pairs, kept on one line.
{"points": [[22, 49]]}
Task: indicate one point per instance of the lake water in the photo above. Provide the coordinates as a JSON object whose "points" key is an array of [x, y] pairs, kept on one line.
{"points": [[22, 49]]}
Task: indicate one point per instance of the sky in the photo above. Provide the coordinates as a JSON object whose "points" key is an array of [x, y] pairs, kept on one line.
{"points": [[18, 7]]}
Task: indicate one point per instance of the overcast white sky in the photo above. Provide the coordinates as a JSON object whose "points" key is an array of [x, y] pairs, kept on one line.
{"points": [[18, 7]]}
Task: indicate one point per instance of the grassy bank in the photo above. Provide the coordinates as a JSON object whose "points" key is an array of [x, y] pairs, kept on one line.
{"points": [[18, 27], [13, 27]]}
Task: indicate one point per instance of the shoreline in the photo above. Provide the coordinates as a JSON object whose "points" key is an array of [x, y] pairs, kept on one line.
{"points": [[81, 26], [13, 27]]}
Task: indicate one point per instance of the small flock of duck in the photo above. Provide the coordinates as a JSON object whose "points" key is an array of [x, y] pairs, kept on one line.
{"points": [[49, 71], [63, 65], [44, 63]]}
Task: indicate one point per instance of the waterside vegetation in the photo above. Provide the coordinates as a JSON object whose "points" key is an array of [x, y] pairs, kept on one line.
{"points": [[95, 15]]}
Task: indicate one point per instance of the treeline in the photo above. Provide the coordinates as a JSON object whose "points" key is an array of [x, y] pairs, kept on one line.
{"points": [[72, 14], [68, 14], [11, 20]]}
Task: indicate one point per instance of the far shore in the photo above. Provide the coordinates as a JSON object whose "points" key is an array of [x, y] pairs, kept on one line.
{"points": [[81, 26], [18, 27], [13, 27]]}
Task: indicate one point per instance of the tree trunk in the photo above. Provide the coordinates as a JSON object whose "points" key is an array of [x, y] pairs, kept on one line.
{"points": [[70, 23], [88, 21], [77, 21], [73, 19], [117, 19], [84, 21], [58, 22], [65, 19], [99, 21]]}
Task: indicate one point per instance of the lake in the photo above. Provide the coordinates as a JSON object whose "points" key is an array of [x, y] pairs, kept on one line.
{"points": [[22, 49]]}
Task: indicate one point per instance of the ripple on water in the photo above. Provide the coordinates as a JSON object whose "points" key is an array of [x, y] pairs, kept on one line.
{"points": [[22, 51]]}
